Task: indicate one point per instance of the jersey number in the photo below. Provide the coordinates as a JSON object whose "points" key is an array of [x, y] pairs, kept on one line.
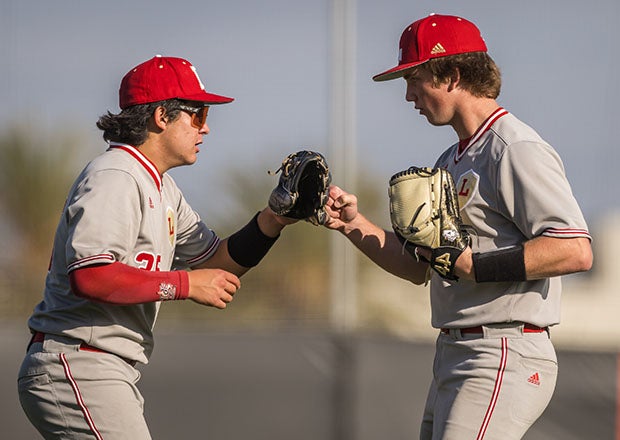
{"points": [[148, 261]]}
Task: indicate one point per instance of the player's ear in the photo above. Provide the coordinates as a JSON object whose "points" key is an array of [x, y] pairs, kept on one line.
{"points": [[160, 118], [454, 79]]}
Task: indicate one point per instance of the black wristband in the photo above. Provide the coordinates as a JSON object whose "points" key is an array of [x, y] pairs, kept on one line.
{"points": [[502, 265], [249, 244]]}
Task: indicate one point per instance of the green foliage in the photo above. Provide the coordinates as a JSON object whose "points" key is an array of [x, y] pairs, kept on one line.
{"points": [[35, 174], [34, 178], [290, 287]]}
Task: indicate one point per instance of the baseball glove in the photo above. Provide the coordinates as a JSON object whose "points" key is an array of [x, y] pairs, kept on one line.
{"points": [[424, 212], [303, 188]]}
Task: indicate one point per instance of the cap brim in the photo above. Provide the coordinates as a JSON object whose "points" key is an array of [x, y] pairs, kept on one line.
{"points": [[397, 72], [209, 98]]}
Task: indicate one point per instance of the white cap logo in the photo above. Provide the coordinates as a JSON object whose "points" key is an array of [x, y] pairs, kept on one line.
{"points": [[197, 77]]}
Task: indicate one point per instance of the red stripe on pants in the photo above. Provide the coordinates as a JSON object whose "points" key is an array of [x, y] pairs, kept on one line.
{"points": [[496, 390], [78, 397]]}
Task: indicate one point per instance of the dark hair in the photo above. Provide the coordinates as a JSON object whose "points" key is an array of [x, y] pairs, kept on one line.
{"points": [[130, 125], [479, 74]]}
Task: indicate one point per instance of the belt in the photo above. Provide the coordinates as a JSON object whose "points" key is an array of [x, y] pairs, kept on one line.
{"points": [[527, 328], [40, 337]]}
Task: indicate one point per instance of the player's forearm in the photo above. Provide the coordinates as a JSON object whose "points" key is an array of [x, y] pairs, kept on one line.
{"points": [[384, 249], [549, 257], [246, 248], [271, 224], [118, 283], [221, 259], [542, 257]]}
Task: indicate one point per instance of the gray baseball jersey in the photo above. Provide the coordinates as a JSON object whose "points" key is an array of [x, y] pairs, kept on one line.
{"points": [[119, 209], [512, 187]]}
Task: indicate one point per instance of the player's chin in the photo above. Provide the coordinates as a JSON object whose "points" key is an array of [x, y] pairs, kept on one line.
{"points": [[191, 159], [435, 122]]}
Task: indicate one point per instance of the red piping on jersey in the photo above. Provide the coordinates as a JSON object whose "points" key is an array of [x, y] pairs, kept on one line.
{"points": [[89, 260], [142, 159], [480, 131], [210, 249], [496, 390], [571, 232], [78, 397]]}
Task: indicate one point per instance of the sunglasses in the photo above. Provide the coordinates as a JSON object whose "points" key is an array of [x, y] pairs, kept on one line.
{"points": [[198, 114]]}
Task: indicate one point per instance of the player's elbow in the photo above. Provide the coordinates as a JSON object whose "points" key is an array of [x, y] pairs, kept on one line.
{"points": [[81, 284], [89, 283], [417, 274], [582, 257], [586, 261]]}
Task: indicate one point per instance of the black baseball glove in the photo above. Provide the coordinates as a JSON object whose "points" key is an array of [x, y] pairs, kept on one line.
{"points": [[424, 211], [303, 188]]}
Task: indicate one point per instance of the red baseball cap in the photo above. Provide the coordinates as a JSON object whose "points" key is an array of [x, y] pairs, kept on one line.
{"points": [[162, 78], [433, 37]]}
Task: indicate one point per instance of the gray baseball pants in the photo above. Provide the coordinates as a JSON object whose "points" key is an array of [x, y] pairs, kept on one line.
{"points": [[68, 392], [490, 386]]}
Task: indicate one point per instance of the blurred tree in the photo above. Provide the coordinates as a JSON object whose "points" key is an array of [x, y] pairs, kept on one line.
{"points": [[290, 287], [35, 174]]}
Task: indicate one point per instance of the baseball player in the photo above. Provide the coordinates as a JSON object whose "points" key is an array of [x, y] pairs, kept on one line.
{"points": [[124, 244], [495, 367]]}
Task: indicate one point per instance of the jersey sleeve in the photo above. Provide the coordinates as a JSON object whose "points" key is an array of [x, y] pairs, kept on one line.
{"points": [[103, 219], [535, 193], [195, 241]]}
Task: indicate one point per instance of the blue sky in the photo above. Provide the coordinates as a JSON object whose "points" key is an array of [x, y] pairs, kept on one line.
{"points": [[63, 61]]}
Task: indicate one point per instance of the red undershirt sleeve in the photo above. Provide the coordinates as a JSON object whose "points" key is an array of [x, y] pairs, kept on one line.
{"points": [[118, 283]]}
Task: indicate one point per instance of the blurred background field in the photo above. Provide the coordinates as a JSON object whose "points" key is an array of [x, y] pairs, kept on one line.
{"points": [[317, 344], [274, 364]]}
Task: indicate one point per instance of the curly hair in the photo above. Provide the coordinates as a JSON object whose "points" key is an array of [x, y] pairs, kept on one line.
{"points": [[130, 125], [479, 74]]}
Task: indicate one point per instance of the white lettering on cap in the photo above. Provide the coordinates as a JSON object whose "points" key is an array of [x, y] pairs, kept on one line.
{"points": [[197, 77]]}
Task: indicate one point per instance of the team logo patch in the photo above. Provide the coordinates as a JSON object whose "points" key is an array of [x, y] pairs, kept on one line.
{"points": [[171, 226], [450, 235], [167, 291], [467, 186]]}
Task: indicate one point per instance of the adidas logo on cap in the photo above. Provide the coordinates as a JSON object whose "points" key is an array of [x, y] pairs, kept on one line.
{"points": [[437, 48], [420, 41]]}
